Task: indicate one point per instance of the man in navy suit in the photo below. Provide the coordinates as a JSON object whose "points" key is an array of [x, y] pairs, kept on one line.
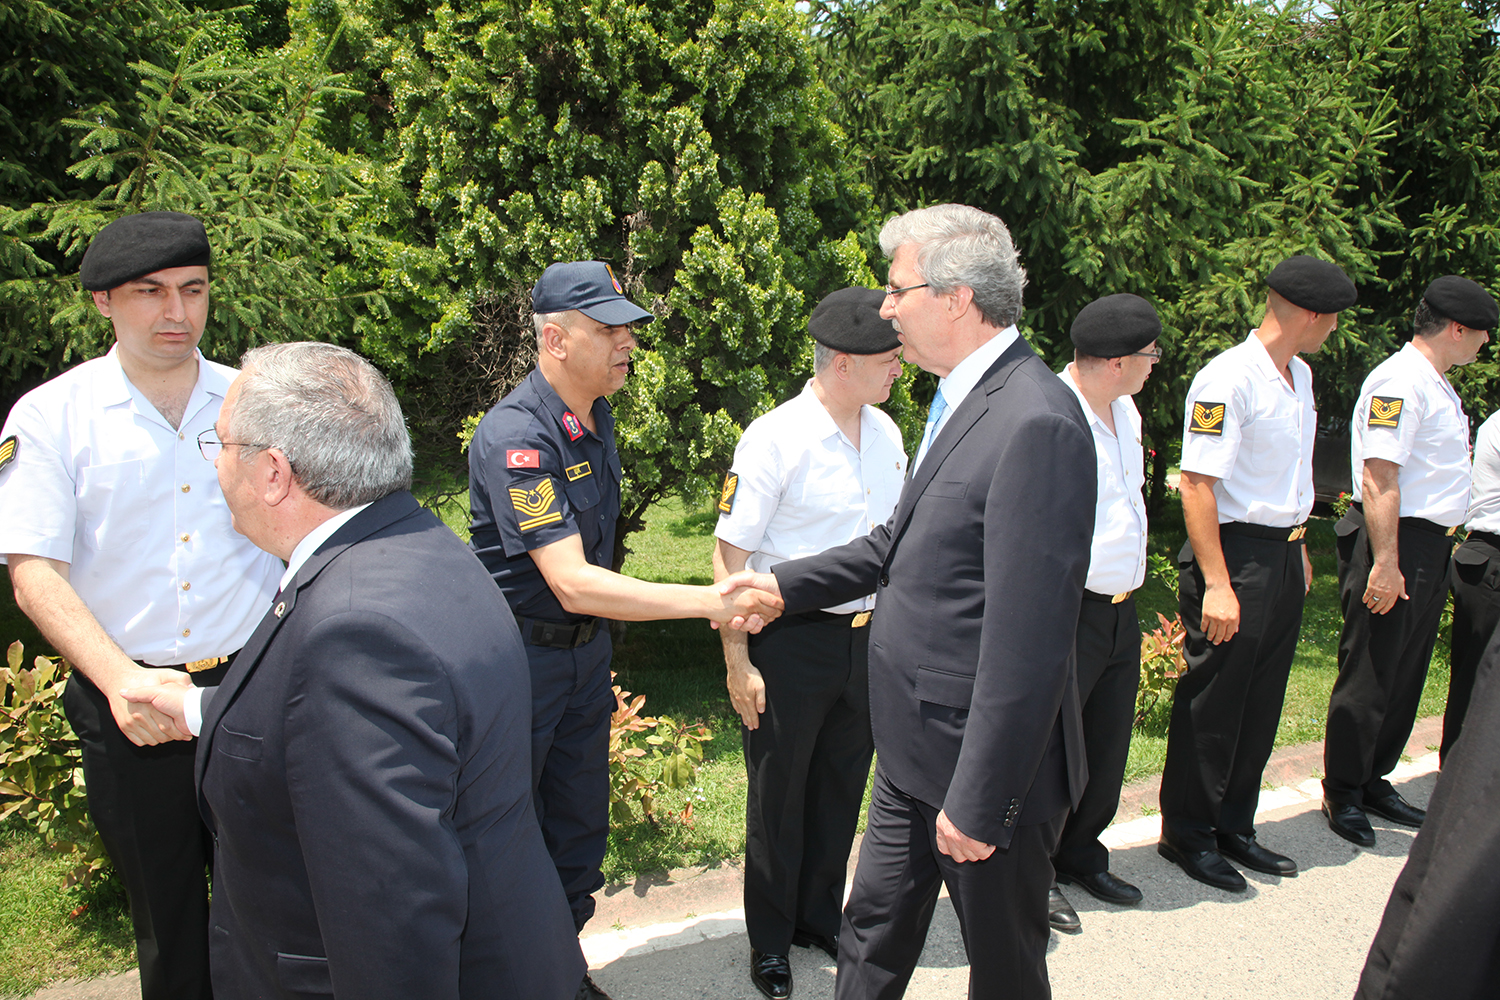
{"points": [[365, 765], [978, 578]]}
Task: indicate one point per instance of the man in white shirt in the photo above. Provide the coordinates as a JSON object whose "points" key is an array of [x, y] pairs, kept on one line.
{"points": [[1114, 341], [819, 470], [121, 550], [1476, 581], [1410, 458], [1244, 573]]}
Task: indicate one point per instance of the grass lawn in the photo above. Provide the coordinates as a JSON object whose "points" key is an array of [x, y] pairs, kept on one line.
{"points": [[678, 666]]}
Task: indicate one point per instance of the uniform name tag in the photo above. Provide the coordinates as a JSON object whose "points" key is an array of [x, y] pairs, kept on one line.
{"points": [[1385, 411], [523, 458], [8, 449], [535, 506], [726, 494], [577, 472], [1207, 418]]}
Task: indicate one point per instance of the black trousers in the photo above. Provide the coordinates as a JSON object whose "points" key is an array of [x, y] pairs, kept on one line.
{"points": [[1440, 936], [143, 802], [1476, 611], [1382, 659], [1228, 703], [1109, 672], [1001, 904], [807, 764], [571, 702]]}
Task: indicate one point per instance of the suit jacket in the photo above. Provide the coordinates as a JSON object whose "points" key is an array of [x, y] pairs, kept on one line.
{"points": [[365, 767], [979, 574]]}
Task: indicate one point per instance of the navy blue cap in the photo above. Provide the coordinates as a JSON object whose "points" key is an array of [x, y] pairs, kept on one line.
{"points": [[134, 246], [590, 286]]}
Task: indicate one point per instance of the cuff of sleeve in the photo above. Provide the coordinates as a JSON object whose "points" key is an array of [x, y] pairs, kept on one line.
{"points": [[192, 710]]}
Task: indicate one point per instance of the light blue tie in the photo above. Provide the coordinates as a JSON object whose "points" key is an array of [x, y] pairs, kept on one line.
{"points": [[934, 417]]}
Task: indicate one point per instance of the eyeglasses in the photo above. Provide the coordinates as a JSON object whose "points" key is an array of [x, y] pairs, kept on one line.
{"points": [[1153, 355], [909, 288], [210, 446]]}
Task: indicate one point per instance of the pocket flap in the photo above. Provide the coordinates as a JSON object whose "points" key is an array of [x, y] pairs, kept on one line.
{"points": [[942, 687], [1471, 555], [303, 974], [240, 745], [939, 488]]}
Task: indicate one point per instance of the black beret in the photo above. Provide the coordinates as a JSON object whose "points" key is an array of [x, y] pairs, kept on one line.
{"points": [[136, 245], [849, 320], [1313, 284], [1115, 326], [1463, 301]]}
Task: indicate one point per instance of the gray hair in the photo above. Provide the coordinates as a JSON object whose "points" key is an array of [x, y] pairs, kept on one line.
{"points": [[1427, 321], [332, 415], [959, 246], [539, 320], [823, 356]]}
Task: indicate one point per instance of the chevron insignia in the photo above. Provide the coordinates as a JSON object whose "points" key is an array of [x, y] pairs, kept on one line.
{"points": [[8, 449], [726, 494], [1207, 418], [1385, 411], [536, 506]]}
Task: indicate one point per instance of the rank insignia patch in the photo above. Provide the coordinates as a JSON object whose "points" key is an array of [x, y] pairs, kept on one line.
{"points": [[1207, 418], [523, 458], [726, 495], [8, 449], [1385, 411], [577, 472], [575, 429], [536, 506]]}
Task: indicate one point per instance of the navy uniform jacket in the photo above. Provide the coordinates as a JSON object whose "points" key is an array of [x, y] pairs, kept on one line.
{"points": [[366, 770], [537, 475], [979, 576]]}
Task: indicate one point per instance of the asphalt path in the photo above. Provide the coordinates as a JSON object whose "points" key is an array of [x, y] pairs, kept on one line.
{"points": [[680, 935]]}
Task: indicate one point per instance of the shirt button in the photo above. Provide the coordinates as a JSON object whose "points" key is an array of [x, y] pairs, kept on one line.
{"points": [[186, 537], [187, 488], [186, 632], [186, 585], [181, 436]]}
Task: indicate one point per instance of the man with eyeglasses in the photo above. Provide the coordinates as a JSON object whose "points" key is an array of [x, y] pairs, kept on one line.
{"points": [[121, 550], [1114, 341]]}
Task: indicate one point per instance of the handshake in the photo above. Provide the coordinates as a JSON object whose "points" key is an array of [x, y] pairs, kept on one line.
{"points": [[751, 601]]}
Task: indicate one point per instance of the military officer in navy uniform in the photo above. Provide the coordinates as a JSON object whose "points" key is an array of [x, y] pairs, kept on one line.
{"points": [[1244, 573], [1410, 456], [544, 478], [821, 469], [1114, 340]]}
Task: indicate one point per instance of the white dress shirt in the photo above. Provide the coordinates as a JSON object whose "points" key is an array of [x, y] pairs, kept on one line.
{"points": [[802, 486], [1259, 445], [1408, 414], [101, 481], [963, 378], [1117, 558], [1484, 498]]}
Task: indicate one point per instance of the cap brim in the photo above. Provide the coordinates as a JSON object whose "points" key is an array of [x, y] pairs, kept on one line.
{"points": [[615, 312]]}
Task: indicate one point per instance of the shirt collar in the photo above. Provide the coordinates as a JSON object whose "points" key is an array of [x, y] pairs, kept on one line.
{"points": [[1088, 411], [603, 415], [819, 420], [313, 540], [967, 373], [114, 386]]}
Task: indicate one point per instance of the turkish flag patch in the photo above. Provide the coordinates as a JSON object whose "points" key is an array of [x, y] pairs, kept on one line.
{"points": [[523, 458]]}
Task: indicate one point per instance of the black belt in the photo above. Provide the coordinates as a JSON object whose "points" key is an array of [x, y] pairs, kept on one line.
{"points": [[205, 673], [1488, 537], [1420, 523], [1296, 533], [1089, 595], [557, 635], [856, 619]]}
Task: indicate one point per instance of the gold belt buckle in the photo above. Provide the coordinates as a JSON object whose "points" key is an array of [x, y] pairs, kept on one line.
{"points": [[1297, 533], [1452, 531], [860, 620], [208, 664], [1120, 597]]}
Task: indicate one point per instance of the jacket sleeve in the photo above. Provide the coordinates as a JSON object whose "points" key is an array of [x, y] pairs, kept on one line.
{"points": [[1038, 523], [372, 765], [835, 576]]}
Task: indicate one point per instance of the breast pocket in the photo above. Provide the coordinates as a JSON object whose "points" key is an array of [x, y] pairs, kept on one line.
{"points": [[584, 494], [113, 501], [1275, 440], [240, 746]]}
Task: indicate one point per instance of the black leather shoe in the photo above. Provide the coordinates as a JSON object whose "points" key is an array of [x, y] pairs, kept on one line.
{"points": [[1349, 822], [589, 990], [771, 974], [1205, 866], [1103, 886], [828, 943], [1396, 809], [1238, 847], [1060, 913]]}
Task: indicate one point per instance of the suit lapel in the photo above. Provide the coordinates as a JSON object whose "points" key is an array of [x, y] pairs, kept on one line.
{"points": [[379, 515]]}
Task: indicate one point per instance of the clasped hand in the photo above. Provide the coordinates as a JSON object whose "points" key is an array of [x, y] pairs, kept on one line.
{"points": [[754, 599], [152, 707]]}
